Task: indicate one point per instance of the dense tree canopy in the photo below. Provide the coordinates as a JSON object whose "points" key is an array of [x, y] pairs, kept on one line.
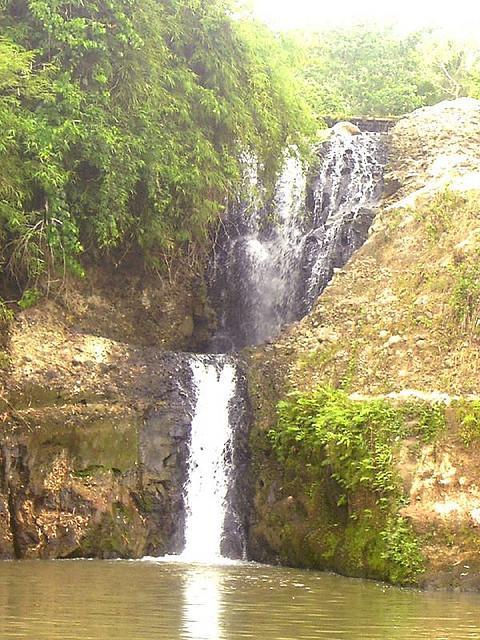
{"points": [[124, 123], [374, 72]]}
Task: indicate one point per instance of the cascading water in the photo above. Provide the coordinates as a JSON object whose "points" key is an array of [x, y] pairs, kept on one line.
{"points": [[272, 263], [209, 463], [254, 280], [345, 193]]}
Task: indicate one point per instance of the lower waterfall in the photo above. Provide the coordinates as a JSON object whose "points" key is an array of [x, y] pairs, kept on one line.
{"points": [[210, 458]]}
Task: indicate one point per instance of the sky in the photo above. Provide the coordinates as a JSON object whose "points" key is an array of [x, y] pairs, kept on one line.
{"points": [[459, 17]]}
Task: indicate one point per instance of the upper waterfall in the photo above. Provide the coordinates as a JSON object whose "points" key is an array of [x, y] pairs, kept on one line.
{"points": [[271, 262], [345, 192], [255, 281]]}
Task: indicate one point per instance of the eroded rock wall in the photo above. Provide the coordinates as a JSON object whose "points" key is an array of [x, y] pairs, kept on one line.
{"points": [[399, 321], [94, 444]]}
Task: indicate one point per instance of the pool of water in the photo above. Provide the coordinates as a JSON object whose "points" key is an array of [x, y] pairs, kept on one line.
{"points": [[93, 600]]}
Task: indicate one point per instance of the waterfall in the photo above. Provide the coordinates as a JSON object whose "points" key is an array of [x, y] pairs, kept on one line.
{"points": [[254, 281], [272, 262], [345, 193], [210, 456]]}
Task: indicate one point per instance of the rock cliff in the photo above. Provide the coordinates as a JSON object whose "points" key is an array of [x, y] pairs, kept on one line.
{"points": [[399, 324], [95, 407], [95, 417]]}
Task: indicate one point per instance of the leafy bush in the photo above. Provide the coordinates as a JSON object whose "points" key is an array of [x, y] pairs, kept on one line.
{"points": [[401, 549], [365, 71], [354, 443], [356, 438], [465, 296], [123, 124], [469, 422], [29, 298]]}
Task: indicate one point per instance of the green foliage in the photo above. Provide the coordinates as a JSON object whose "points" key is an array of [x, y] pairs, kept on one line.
{"points": [[453, 67], [424, 420], [29, 298], [364, 71], [470, 422], [6, 314], [355, 438], [354, 443], [401, 550], [438, 214], [123, 125], [465, 296]]}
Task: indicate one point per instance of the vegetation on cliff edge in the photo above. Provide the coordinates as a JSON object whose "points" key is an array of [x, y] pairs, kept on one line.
{"points": [[353, 442], [124, 124]]}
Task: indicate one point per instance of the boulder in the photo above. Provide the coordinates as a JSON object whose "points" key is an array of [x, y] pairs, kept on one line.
{"points": [[346, 129]]}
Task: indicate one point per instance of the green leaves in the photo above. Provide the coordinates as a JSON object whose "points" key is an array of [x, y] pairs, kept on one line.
{"points": [[353, 443], [124, 123], [364, 71], [401, 550], [356, 439]]}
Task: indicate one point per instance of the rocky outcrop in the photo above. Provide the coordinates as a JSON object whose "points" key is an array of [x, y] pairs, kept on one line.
{"points": [[131, 304], [95, 412], [400, 320], [377, 125], [94, 445], [346, 128], [433, 148]]}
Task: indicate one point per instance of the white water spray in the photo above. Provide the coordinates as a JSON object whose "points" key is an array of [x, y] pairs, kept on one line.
{"points": [[272, 262], [348, 185], [257, 264], [209, 470]]}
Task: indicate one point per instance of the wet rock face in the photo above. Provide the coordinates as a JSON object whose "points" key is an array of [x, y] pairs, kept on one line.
{"points": [[92, 479], [344, 194], [94, 447], [271, 263], [63, 489], [163, 452]]}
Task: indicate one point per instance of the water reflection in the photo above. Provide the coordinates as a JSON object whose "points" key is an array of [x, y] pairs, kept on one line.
{"points": [[172, 601], [202, 604]]}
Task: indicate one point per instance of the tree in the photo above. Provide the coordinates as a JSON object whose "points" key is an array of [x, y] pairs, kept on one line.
{"points": [[135, 141], [363, 71], [452, 66]]}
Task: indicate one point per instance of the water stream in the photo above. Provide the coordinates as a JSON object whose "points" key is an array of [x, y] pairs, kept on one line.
{"points": [[344, 193], [209, 464], [273, 261]]}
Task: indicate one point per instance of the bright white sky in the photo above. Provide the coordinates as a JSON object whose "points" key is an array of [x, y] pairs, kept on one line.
{"points": [[460, 17]]}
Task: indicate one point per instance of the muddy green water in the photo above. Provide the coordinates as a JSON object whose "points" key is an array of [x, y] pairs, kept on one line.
{"points": [[162, 601]]}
